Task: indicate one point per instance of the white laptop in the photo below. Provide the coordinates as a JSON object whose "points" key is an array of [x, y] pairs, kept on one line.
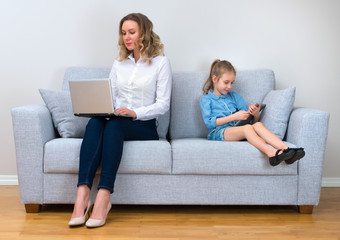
{"points": [[92, 98]]}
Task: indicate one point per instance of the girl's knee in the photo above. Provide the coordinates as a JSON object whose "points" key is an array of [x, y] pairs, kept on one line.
{"points": [[258, 124], [248, 127], [259, 127]]}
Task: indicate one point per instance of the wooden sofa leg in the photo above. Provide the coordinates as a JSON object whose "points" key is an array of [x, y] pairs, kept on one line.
{"points": [[306, 209], [33, 208]]}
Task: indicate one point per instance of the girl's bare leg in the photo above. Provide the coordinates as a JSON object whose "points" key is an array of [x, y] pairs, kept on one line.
{"points": [[248, 132], [268, 136]]}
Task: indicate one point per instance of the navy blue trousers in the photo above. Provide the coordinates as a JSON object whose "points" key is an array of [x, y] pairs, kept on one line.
{"points": [[103, 143]]}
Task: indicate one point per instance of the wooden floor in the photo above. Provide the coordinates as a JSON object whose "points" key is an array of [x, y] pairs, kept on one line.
{"points": [[175, 222]]}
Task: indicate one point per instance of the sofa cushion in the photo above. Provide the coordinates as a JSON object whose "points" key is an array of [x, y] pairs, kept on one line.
{"points": [[60, 106], [186, 118], [79, 73], [61, 155], [279, 105], [201, 156]]}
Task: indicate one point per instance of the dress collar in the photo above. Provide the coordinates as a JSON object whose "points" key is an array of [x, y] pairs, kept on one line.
{"points": [[214, 96]]}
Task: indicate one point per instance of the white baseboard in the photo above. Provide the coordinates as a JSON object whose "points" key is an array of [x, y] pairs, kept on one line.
{"points": [[13, 180], [330, 182], [8, 180]]}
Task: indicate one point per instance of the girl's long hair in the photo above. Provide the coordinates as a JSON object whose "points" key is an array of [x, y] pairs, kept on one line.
{"points": [[149, 43], [218, 68]]}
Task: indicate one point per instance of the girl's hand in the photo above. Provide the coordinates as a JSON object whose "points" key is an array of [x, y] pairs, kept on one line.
{"points": [[125, 111], [253, 109], [241, 115]]}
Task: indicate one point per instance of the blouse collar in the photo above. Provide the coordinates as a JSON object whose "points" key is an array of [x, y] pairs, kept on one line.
{"points": [[133, 59]]}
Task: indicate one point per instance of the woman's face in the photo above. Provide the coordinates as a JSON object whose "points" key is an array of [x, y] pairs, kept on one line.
{"points": [[130, 32]]}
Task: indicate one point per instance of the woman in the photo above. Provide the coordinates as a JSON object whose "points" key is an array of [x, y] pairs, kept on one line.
{"points": [[141, 87]]}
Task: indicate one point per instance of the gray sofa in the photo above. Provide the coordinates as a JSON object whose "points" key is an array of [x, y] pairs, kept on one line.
{"points": [[183, 167]]}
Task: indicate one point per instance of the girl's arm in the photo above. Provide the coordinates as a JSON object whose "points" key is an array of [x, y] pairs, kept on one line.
{"points": [[208, 118], [240, 115], [212, 121]]}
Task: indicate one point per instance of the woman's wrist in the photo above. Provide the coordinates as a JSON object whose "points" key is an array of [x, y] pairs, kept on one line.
{"points": [[134, 115]]}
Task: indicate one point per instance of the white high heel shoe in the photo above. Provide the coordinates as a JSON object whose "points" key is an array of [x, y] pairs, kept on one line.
{"points": [[92, 223], [81, 220]]}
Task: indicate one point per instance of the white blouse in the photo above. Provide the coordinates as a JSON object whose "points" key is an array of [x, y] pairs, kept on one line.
{"points": [[143, 88]]}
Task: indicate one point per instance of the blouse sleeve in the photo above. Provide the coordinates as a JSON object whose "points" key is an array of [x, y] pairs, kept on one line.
{"points": [[163, 94], [113, 80]]}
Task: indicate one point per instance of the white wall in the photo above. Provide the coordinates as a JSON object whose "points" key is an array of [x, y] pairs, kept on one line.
{"points": [[298, 39]]}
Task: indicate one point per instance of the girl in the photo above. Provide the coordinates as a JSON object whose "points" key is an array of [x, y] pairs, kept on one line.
{"points": [[221, 108], [141, 87]]}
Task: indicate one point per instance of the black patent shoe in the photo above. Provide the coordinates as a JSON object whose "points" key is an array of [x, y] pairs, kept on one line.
{"points": [[299, 153], [278, 158]]}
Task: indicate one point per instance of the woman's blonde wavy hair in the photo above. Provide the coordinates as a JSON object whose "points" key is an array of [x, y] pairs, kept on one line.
{"points": [[218, 68], [149, 42]]}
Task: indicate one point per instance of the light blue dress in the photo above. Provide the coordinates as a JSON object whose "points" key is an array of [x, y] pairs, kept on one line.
{"points": [[213, 106]]}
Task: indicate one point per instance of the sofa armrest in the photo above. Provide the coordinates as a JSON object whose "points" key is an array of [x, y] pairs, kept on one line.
{"points": [[308, 128], [32, 127]]}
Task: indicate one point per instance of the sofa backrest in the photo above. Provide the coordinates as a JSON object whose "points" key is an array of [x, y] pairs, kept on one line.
{"points": [[79, 73], [185, 114]]}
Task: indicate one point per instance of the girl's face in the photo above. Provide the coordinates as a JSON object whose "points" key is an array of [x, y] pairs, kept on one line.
{"points": [[130, 32], [224, 84]]}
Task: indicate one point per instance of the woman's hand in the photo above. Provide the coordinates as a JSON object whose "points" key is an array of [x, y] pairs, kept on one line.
{"points": [[125, 111], [241, 115], [254, 110]]}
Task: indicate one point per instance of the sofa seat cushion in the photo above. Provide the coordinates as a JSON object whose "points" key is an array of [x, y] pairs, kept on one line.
{"points": [[154, 157], [201, 156]]}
